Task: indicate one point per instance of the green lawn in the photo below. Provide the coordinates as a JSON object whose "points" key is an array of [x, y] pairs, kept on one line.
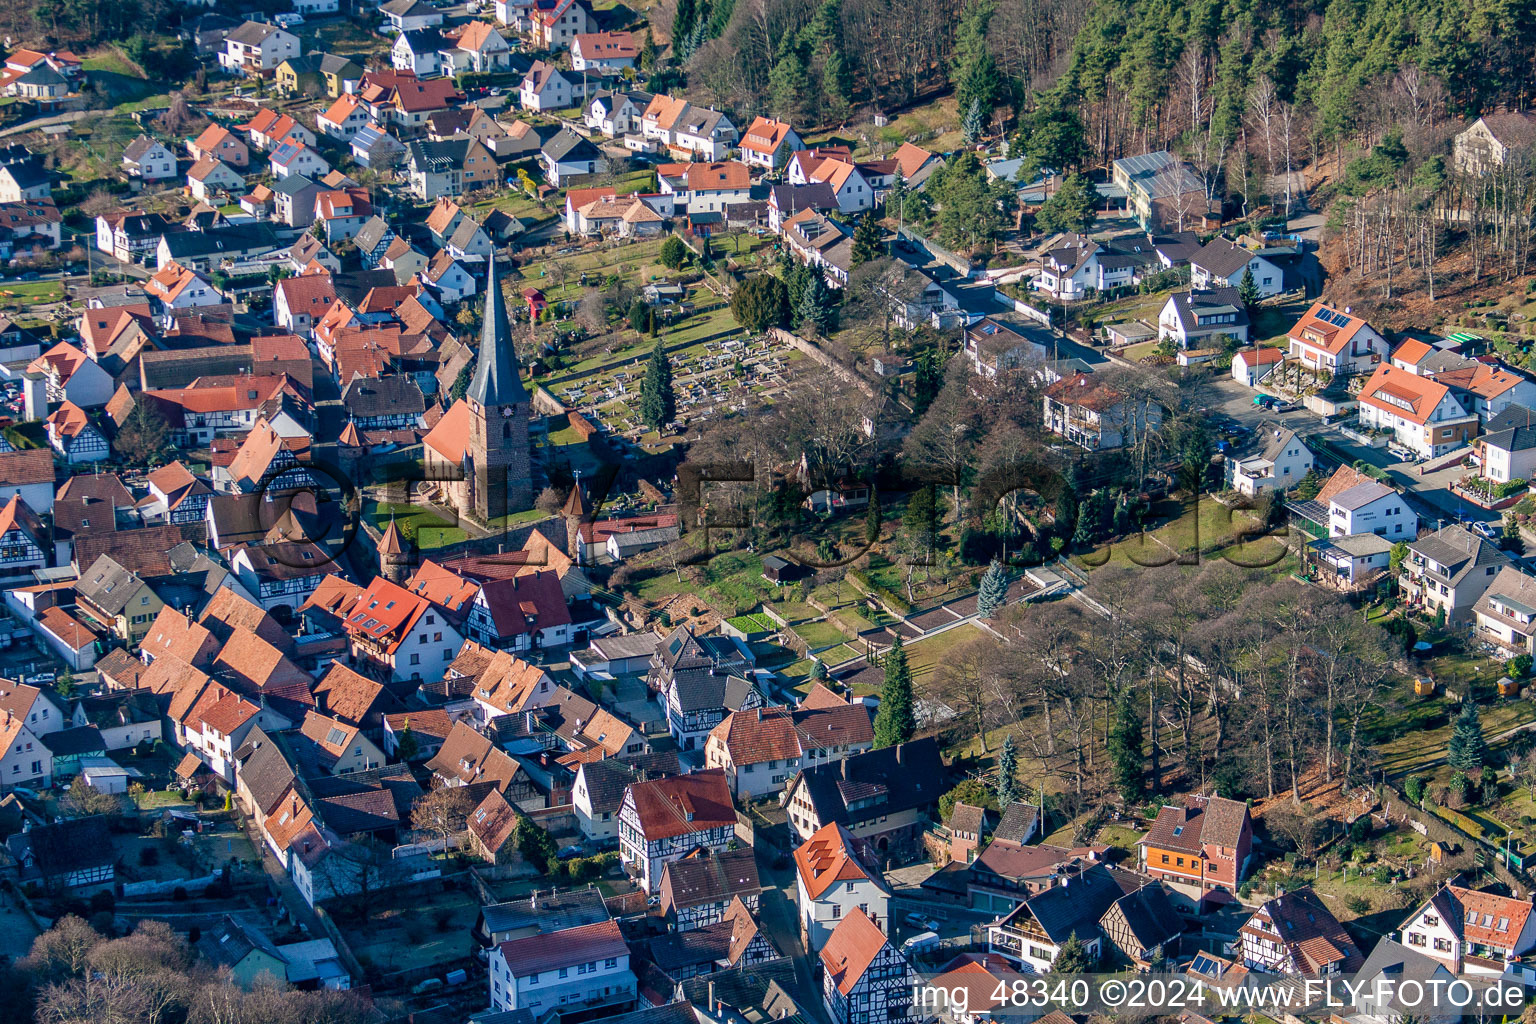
{"points": [[924, 656], [422, 527], [32, 291], [1206, 527], [819, 634]]}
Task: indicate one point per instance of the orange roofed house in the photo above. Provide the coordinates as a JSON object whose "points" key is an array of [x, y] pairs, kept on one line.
{"points": [[1201, 846], [833, 880], [866, 980], [1477, 933], [1327, 340], [768, 143], [396, 635], [664, 819], [1425, 416]]}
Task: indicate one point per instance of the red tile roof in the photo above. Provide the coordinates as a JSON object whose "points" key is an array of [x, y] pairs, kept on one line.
{"points": [[683, 804]]}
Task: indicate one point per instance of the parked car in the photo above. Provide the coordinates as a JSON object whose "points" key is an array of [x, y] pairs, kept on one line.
{"points": [[1489, 530], [919, 921]]}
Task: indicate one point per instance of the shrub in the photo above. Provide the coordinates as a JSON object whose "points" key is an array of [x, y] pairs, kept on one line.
{"points": [[1357, 904], [1414, 787], [1520, 666]]}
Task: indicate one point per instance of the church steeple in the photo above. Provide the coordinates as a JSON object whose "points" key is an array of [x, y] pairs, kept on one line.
{"points": [[496, 381], [498, 461]]}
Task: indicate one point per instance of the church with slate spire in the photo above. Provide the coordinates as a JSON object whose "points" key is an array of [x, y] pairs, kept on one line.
{"points": [[480, 448]]}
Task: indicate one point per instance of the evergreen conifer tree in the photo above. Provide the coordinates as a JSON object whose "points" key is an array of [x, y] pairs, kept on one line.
{"points": [[1007, 772], [1248, 289], [1467, 750], [993, 592], [867, 243], [896, 721], [658, 404]]}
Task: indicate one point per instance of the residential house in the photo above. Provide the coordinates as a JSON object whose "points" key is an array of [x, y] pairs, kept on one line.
{"points": [[1204, 319], [75, 854], [395, 634], [1280, 464], [23, 176], [177, 287], [1326, 340], [604, 51], [374, 147], [449, 168], [1506, 613], [698, 888], [1474, 933], [149, 161], [556, 24], [69, 375], [545, 87], [219, 143], [72, 434], [1222, 263], [768, 143], [1200, 846], [410, 15], [1295, 933], [1389, 982], [587, 965], [1081, 266], [1491, 388], [342, 213], [834, 880], [217, 724], [468, 758], [255, 49], [1144, 926], [419, 52], [343, 118], [1449, 571], [865, 979], [293, 200], [208, 179], [686, 131], [1424, 416], [567, 155], [1508, 454], [835, 168], [1089, 412], [762, 749], [267, 129], [299, 302], [598, 790], [297, 158], [318, 74], [615, 114], [241, 947], [664, 819], [701, 187], [735, 941], [23, 538], [428, 730], [883, 797], [1033, 933], [1485, 145], [28, 474], [478, 47]]}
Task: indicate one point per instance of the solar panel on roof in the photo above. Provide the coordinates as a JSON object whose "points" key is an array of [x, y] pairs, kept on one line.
{"points": [[1203, 964]]}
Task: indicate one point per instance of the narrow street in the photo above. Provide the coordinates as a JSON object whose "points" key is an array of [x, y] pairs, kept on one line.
{"points": [[777, 914]]}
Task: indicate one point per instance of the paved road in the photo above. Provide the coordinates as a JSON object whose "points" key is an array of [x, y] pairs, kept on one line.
{"points": [[777, 914]]}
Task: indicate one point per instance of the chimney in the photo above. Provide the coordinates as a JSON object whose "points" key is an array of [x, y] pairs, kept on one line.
{"points": [[759, 714], [898, 752], [844, 764]]}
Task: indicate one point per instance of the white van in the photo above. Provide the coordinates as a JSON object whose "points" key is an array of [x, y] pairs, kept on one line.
{"points": [[920, 943]]}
